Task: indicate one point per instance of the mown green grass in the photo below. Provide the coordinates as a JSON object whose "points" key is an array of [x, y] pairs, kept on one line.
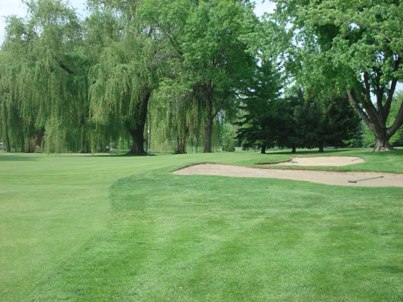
{"points": [[86, 228]]}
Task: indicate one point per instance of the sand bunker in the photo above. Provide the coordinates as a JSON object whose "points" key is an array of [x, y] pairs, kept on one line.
{"points": [[330, 161], [362, 179]]}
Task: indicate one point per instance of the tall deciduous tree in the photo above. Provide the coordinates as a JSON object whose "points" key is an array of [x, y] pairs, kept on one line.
{"points": [[357, 46], [205, 36]]}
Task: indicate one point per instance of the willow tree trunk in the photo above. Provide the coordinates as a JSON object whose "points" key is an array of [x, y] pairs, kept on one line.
{"points": [[137, 136], [35, 140], [136, 128], [180, 145]]}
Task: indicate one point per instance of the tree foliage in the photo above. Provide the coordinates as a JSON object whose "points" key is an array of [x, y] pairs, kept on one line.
{"points": [[355, 46], [294, 121], [43, 77], [260, 110], [176, 118], [205, 40], [125, 73], [186, 68]]}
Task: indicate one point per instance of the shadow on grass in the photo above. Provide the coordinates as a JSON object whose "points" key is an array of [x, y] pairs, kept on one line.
{"points": [[16, 158], [391, 269], [24, 157], [305, 152], [107, 155], [385, 154]]}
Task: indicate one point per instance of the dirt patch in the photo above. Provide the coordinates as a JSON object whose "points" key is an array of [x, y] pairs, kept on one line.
{"points": [[329, 161], [357, 179]]}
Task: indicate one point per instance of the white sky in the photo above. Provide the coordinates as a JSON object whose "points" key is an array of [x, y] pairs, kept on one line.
{"points": [[8, 7], [15, 7], [264, 6]]}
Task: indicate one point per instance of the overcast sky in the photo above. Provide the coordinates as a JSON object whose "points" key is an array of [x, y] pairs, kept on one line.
{"points": [[15, 7]]}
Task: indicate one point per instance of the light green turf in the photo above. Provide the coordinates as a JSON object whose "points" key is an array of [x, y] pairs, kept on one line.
{"points": [[86, 228]]}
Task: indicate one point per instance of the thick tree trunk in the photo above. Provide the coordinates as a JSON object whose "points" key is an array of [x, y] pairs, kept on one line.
{"points": [[137, 131], [263, 149], [137, 136], [294, 149], [36, 140], [382, 145], [321, 149], [180, 146], [381, 140], [32, 145], [181, 149], [375, 118]]}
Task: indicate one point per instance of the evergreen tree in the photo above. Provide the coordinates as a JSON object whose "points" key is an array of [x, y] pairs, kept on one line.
{"points": [[260, 109]]}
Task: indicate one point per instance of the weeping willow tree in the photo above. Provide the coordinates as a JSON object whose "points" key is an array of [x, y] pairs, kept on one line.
{"points": [[16, 117], [175, 120], [43, 78], [126, 72], [11, 132]]}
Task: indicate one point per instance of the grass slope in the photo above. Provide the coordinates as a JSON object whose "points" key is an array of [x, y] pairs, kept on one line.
{"points": [[125, 229]]}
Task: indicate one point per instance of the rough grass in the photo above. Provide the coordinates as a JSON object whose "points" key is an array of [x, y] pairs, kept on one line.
{"points": [[125, 229]]}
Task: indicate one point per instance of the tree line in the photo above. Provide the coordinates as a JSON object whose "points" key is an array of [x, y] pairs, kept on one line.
{"points": [[311, 74]]}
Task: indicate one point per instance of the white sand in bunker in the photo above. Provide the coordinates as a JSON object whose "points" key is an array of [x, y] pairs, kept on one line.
{"points": [[357, 179], [330, 161]]}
